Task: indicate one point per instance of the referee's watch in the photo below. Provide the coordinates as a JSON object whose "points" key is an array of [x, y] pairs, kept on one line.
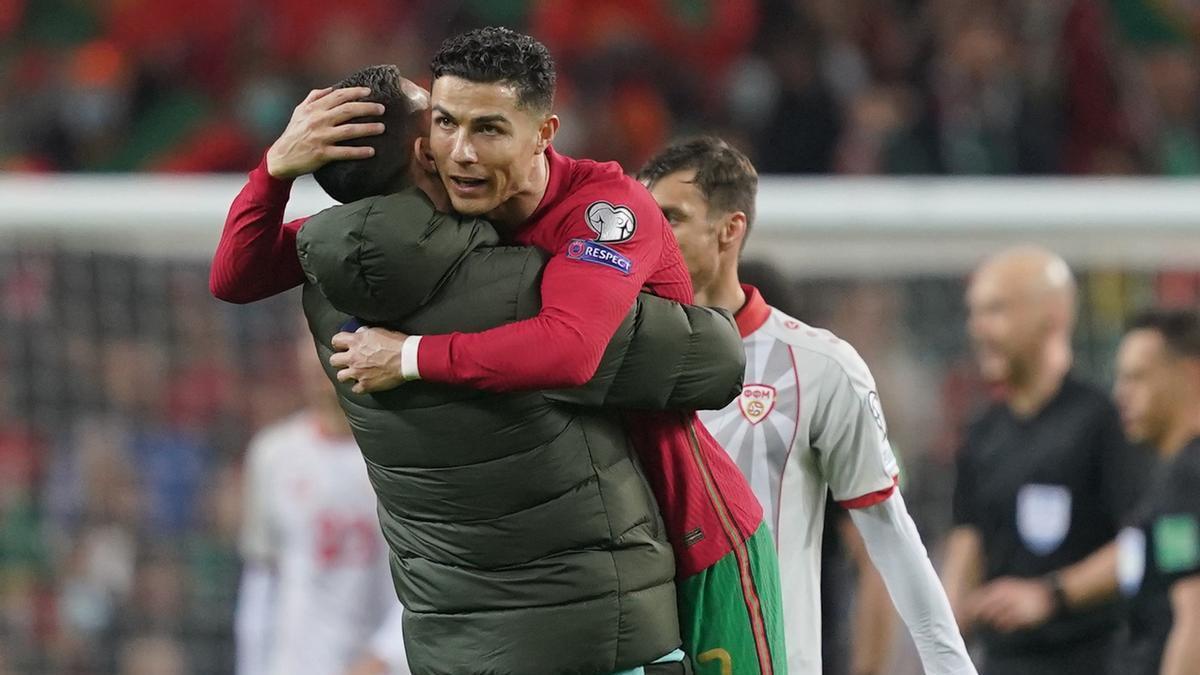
{"points": [[1058, 596]]}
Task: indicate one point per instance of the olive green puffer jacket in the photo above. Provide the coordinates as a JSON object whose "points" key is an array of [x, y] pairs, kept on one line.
{"points": [[523, 536]]}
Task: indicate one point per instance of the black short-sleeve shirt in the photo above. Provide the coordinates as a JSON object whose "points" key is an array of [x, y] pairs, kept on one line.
{"points": [[1045, 492], [1160, 548]]}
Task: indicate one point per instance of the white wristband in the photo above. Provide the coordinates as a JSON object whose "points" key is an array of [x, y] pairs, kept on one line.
{"points": [[408, 358]]}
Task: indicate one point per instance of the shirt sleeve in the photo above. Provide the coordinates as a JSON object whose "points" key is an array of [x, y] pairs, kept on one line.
{"points": [[256, 256], [896, 550], [1175, 530], [850, 433], [589, 284]]}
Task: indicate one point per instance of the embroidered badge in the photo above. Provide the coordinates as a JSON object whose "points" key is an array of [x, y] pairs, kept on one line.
{"points": [[757, 401], [590, 251], [612, 224]]}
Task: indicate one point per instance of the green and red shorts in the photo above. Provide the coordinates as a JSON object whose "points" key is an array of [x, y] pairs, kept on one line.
{"points": [[731, 613]]}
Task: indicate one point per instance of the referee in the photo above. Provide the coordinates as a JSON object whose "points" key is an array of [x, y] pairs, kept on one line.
{"points": [[1156, 560], [1044, 477]]}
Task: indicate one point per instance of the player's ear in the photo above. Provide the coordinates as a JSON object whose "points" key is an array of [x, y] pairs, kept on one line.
{"points": [[732, 231], [546, 133], [423, 155]]}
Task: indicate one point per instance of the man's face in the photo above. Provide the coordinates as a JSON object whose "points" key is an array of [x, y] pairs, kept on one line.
{"points": [[686, 208], [1148, 386], [484, 143], [1005, 325]]}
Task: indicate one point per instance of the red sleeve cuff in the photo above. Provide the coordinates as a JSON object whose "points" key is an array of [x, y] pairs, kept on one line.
{"points": [[871, 498], [433, 358], [268, 188]]}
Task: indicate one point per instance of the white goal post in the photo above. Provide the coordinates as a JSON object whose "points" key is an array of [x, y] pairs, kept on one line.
{"points": [[837, 226]]}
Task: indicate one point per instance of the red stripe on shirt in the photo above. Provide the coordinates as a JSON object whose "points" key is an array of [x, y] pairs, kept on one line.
{"points": [[872, 498]]}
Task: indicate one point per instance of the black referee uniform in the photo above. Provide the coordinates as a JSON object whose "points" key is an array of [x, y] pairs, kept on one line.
{"points": [[1162, 547], [1045, 492]]}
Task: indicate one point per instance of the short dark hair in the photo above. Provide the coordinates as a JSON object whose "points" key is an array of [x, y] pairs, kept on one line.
{"points": [[1179, 328], [387, 171], [724, 174], [496, 54]]}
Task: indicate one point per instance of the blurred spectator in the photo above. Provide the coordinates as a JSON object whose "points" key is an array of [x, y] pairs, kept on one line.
{"points": [[858, 86]]}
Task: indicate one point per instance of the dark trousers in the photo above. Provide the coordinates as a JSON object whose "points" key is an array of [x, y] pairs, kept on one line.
{"points": [[1088, 658]]}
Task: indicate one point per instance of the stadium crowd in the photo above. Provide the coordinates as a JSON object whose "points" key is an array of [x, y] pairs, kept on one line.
{"points": [[814, 86], [121, 435]]}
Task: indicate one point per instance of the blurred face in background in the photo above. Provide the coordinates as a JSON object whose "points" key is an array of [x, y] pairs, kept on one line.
{"points": [[485, 142], [695, 228], [1008, 324], [1150, 386]]}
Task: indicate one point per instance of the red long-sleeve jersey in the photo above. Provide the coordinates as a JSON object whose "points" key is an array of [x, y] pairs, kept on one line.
{"points": [[608, 240]]}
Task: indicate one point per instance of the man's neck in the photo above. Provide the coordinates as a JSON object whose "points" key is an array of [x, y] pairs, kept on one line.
{"points": [[725, 292], [514, 211], [1043, 382], [1185, 429]]}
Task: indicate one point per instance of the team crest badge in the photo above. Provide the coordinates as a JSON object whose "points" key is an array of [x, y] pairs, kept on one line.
{"points": [[612, 224], [1043, 516], [756, 402]]}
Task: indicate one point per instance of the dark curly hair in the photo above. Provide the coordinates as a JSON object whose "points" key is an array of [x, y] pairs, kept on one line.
{"points": [[497, 54], [386, 172]]}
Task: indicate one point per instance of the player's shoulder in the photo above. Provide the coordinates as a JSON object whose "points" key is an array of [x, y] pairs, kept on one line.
{"points": [[286, 436], [817, 349], [599, 185], [1092, 398]]}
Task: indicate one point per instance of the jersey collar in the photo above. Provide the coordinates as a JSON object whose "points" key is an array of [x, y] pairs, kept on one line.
{"points": [[754, 313]]}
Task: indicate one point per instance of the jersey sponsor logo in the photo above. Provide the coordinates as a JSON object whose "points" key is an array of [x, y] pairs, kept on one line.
{"points": [[590, 251], [612, 224], [1131, 560], [1177, 543], [1043, 516], [757, 401]]}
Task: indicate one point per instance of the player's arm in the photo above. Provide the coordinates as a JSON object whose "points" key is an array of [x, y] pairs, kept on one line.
{"points": [[1008, 604], [666, 356], [586, 291], [256, 256], [850, 434], [873, 615], [1182, 651]]}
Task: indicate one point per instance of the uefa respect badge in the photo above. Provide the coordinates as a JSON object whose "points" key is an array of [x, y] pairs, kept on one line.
{"points": [[599, 254]]}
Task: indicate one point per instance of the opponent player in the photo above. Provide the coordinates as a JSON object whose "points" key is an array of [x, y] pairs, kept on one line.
{"points": [[493, 126], [316, 595], [808, 420]]}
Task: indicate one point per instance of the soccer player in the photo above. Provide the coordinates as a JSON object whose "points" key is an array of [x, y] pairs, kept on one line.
{"points": [[316, 595], [808, 420], [1045, 476], [1155, 561], [491, 142], [491, 135]]}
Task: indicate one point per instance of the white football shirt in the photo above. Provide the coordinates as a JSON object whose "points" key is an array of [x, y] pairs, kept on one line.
{"points": [[808, 421], [310, 516]]}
